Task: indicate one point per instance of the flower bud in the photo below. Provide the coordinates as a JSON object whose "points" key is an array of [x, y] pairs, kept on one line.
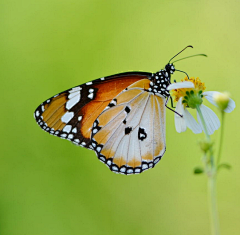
{"points": [[205, 145], [222, 100]]}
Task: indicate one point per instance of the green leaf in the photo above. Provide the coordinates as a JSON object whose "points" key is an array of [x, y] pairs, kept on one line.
{"points": [[198, 170], [224, 165]]}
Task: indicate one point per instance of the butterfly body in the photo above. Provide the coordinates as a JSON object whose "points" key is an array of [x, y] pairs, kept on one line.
{"points": [[121, 117]]}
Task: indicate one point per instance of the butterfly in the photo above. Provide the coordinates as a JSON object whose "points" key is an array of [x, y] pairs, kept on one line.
{"points": [[121, 117]]}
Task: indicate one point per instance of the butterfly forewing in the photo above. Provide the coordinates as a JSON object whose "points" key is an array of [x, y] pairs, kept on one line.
{"points": [[130, 136], [71, 114]]}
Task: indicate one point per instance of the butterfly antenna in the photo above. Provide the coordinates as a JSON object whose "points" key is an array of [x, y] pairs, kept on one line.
{"points": [[180, 52], [189, 57], [182, 72]]}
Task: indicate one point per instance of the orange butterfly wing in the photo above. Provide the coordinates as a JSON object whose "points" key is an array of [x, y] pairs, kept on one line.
{"points": [[71, 114]]}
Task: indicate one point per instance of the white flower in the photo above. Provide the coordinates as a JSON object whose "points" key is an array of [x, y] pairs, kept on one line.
{"points": [[216, 98], [189, 94]]}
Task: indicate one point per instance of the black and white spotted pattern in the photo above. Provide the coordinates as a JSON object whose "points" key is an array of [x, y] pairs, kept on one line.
{"points": [[126, 170], [72, 120], [161, 80]]}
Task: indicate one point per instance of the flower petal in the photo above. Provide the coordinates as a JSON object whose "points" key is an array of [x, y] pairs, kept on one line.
{"points": [[179, 85], [191, 122], [211, 119], [231, 106], [180, 123], [209, 96]]}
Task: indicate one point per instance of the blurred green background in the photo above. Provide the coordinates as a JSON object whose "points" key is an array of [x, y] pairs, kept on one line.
{"points": [[50, 186]]}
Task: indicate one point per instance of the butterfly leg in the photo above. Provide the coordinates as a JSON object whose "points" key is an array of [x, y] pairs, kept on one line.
{"points": [[172, 106], [172, 102]]}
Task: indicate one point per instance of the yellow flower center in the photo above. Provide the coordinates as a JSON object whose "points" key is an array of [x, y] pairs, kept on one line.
{"points": [[198, 86]]}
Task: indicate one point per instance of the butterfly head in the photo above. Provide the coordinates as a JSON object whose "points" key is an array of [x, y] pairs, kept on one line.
{"points": [[170, 69]]}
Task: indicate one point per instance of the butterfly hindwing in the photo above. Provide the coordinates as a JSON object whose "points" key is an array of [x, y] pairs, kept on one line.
{"points": [[129, 135], [71, 114]]}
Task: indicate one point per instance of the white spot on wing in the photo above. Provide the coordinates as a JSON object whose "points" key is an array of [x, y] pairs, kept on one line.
{"points": [[75, 89], [144, 166], [89, 83], [102, 159], [137, 170], [71, 95], [70, 136], [90, 96], [67, 128], [129, 171], [73, 101], [142, 135], [114, 168], [114, 102], [123, 169], [67, 117], [74, 130]]}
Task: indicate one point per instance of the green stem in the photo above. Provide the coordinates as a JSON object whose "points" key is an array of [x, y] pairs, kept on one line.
{"points": [[211, 181], [221, 139], [213, 205], [205, 162]]}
